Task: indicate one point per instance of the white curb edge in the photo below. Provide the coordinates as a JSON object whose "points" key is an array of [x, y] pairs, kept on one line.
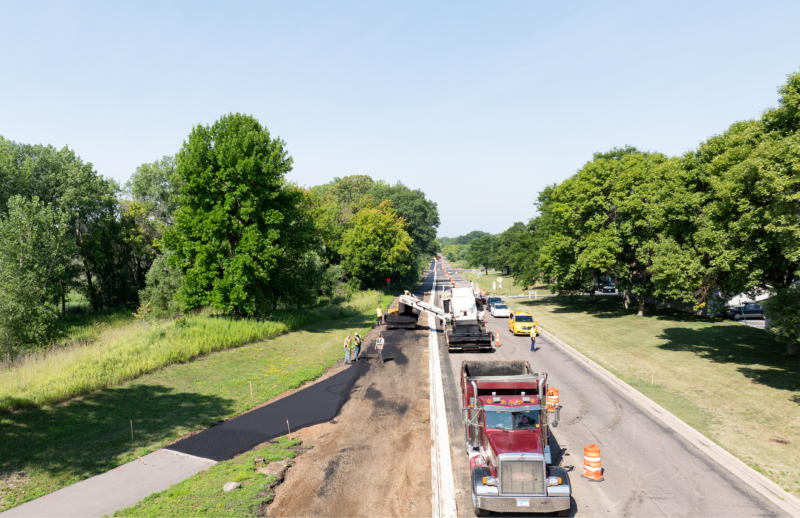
{"points": [[444, 504]]}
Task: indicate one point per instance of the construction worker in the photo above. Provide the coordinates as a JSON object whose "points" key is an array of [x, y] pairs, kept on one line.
{"points": [[357, 343], [347, 349], [534, 332], [379, 346], [379, 312]]}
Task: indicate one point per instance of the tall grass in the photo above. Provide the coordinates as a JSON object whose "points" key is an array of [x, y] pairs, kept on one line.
{"points": [[123, 352]]}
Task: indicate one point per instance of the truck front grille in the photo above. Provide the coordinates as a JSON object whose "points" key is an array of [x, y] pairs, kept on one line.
{"points": [[522, 477]]}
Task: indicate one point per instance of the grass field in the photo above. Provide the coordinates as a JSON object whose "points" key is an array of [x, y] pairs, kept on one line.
{"points": [[48, 447], [201, 495], [108, 348], [485, 283], [731, 382]]}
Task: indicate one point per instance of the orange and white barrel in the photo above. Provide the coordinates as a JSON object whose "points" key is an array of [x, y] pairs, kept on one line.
{"points": [[591, 463], [552, 399]]}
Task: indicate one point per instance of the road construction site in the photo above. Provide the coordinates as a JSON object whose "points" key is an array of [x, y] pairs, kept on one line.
{"points": [[397, 445], [649, 468]]}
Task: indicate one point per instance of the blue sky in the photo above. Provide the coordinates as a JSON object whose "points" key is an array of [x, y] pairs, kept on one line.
{"points": [[480, 104]]}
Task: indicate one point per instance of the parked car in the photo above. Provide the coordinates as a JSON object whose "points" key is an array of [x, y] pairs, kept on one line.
{"points": [[491, 301], [746, 310], [608, 288], [500, 310]]}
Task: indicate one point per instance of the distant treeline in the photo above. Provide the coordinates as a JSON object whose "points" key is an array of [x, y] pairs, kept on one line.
{"points": [[717, 221], [216, 225]]}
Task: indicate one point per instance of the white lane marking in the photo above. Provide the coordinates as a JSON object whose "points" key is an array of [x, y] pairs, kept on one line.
{"points": [[442, 477]]}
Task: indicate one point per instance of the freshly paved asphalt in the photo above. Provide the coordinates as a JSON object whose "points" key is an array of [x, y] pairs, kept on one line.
{"points": [[125, 485], [650, 470], [318, 403]]}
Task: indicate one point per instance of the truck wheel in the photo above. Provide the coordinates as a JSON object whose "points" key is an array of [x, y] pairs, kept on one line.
{"points": [[477, 510], [482, 471], [737, 317]]}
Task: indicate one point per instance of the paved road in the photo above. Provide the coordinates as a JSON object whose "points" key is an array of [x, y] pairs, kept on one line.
{"points": [[649, 469]]}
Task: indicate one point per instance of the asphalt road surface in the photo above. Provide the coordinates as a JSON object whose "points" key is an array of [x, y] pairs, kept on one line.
{"points": [[649, 470], [315, 404]]}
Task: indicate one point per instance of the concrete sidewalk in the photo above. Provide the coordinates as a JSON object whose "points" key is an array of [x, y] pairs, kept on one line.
{"points": [[104, 494]]}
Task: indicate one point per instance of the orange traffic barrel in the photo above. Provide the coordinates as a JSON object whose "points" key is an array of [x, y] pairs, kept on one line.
{"points": [[591, 463], [552, 399]]}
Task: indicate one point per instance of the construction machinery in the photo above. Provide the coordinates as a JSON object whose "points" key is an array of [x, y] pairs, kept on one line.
{"points": [[506, 436], [462, 313]]}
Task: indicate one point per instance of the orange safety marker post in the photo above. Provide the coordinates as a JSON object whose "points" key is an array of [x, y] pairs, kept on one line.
{"points": [[591, 463], [497, 339], [552, 399]]}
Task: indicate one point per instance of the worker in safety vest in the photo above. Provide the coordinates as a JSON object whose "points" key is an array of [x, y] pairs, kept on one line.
{"points": [[379, 312], [347, 349], [357, 344], [379, 346], [534, 332]]}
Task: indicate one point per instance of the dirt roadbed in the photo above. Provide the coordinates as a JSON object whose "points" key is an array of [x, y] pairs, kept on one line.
{"points": [[374, 458]]}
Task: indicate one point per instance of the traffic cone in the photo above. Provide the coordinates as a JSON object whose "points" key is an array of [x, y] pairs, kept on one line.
{"points": [[591, 463], [552, 399]]}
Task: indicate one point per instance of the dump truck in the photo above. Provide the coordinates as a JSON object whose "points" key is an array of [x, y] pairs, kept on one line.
{"points": [[507, 417]]}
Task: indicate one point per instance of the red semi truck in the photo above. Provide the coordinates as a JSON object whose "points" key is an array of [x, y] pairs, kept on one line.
{"points": [[506, 423]]}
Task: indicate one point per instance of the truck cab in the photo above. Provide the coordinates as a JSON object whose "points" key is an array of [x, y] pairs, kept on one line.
{"points": [[506, 429]]}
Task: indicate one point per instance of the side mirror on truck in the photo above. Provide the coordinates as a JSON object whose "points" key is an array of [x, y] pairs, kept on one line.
{"points": [[557, 416], [465, 415]]}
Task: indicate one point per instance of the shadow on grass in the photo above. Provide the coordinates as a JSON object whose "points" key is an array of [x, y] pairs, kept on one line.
{"points": [[761, 358], [611, 307], [92, 434]]}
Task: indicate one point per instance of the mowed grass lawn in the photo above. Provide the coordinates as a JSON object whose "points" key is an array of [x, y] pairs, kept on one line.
{"points": [[733, 383], [45, 448]]}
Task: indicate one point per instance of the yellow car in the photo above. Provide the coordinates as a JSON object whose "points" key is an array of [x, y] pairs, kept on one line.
{"points": [[520, 323]]}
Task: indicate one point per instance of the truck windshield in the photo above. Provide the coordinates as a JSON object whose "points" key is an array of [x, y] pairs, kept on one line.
{"points": [[512, 420], [522, 318]]}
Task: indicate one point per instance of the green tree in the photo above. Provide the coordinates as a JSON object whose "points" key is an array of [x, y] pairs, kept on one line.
{"points": [[235, 211], [60, 178], [462, 240], [482, 251], [36, 247], [784, 318], [606, 224], [163, 282], [156, 186], [421, 215], [377, 247], [337, 204]]}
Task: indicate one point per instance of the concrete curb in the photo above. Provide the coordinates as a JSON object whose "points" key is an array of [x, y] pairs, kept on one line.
{"points": [[767, 488]]}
